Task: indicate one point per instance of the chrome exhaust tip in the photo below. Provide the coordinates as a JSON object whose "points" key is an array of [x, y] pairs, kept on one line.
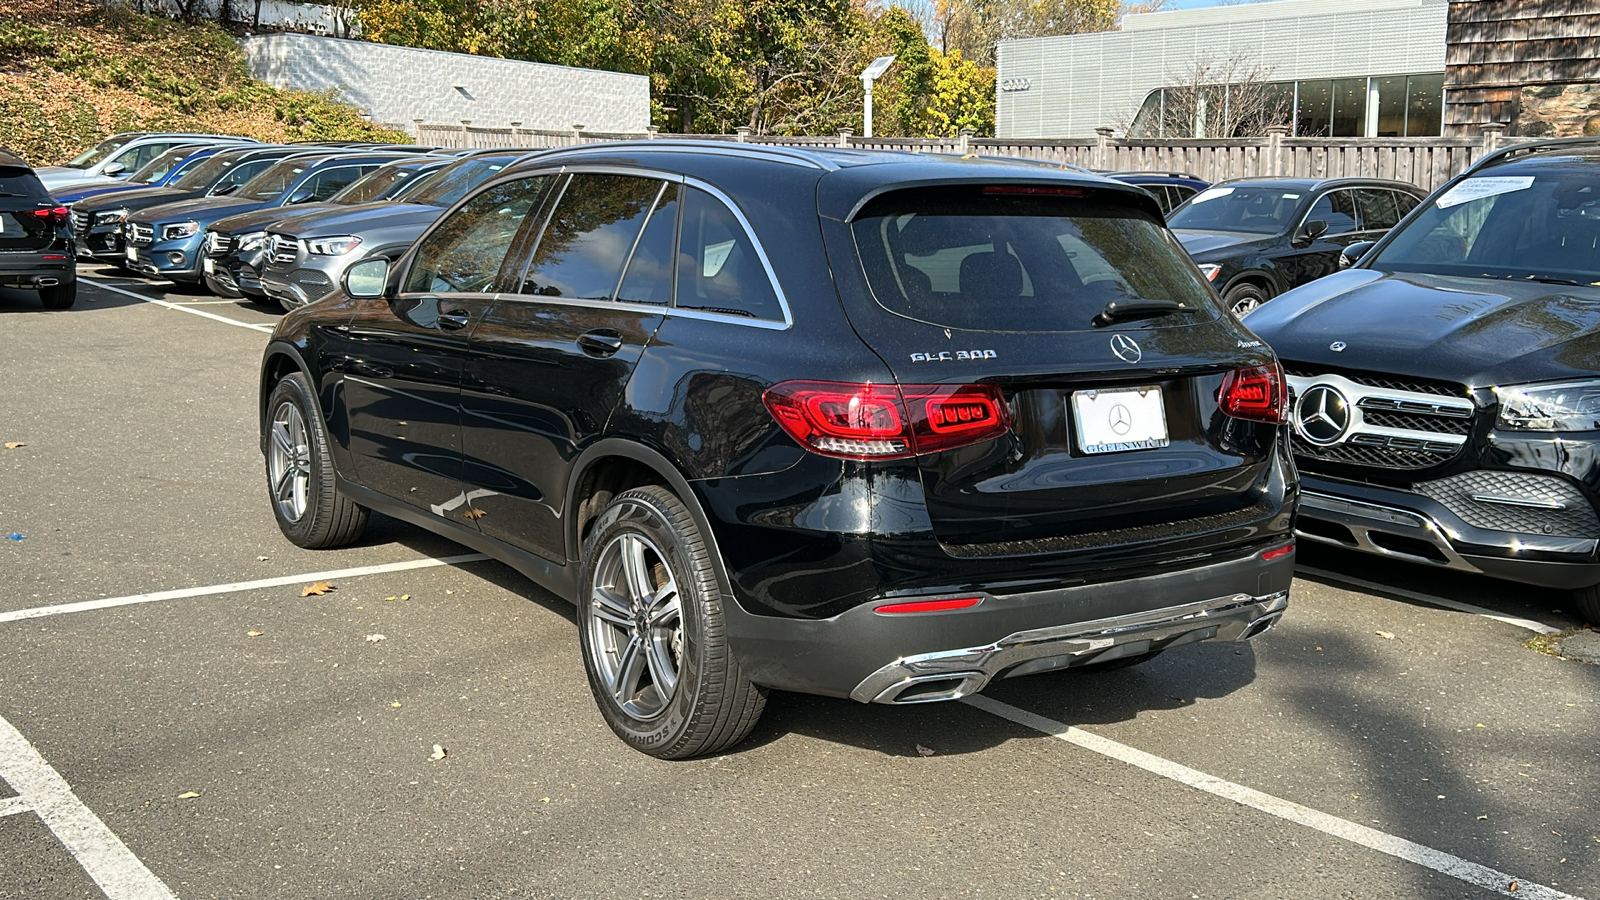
{"points": [[933, 688], [43, 281]]}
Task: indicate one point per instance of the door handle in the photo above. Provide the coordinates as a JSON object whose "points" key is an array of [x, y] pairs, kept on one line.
{"points": [[600, 342], [454, 320]]}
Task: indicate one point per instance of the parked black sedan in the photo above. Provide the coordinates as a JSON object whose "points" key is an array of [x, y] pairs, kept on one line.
{"points": [[1255, 238]]}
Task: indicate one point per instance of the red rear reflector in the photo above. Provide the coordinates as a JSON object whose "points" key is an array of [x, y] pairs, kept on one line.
{"points": [[1277, 553], [923, 606], [52, 256], [1258, 394], [1036, 190], [871, 421]]}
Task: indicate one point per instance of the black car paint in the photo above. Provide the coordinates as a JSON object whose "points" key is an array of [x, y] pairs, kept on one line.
{"points": [[36, 246], [802, 539]]}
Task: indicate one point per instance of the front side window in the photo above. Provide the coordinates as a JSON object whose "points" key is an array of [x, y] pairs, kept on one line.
{"points": [[136, 158], [331, 181], [375, 185], [590, 235], [1338, 209], [719, 270], [1531, 227], [961, 259], [1255, 210], [465, 252]]}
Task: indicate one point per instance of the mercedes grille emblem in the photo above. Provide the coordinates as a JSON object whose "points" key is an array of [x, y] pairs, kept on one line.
{"points": [[1120, 419], [1126, 348], [1323, 415], [1338, 346]]}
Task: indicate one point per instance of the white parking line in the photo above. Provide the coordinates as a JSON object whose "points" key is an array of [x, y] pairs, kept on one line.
{"points": [[37, 612], [1531, 625], [1344, 829], [102, 854], [13, 805], [181, 307]]}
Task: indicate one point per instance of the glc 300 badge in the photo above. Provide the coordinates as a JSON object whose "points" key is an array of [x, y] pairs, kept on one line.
{"points": [[1323, 415], [1126, 348], [948, 355]]}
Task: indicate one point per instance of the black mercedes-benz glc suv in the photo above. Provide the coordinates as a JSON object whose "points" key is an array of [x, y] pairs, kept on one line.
{"points": [[1447, 386], [35, 239], [867, 425]]}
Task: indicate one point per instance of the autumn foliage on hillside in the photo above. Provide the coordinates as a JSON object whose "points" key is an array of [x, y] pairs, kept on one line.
{"points": [[73, 72]]}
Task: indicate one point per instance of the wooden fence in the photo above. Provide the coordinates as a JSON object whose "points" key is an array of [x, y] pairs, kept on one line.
{"points": [[1424, 162]]}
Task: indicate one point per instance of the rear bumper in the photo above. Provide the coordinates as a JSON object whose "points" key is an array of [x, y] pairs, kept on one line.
{"points": [[1410, 527], [29, 270], [877, 658]]}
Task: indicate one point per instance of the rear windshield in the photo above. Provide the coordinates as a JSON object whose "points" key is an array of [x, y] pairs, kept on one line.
{"points": [[454, 181], [1539, 227], [16, 181], [1255, 210], [995, 263]]}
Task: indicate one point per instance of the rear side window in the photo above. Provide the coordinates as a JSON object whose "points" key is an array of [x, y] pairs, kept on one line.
{"points": [[465, 252], [963, 259], [649, 278], [590, 235], [1378, 212], [719, 269], [16, 181]]}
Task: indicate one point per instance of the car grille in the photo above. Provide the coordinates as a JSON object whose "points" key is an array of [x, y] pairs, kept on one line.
{"points": [[284, 250], [218, 244], [1388, 421], [1520, 502], [80, 222], [140, 233]]}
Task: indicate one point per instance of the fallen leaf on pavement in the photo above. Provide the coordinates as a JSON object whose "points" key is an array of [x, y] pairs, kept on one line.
{"points": [[473, 513], [439, 752], [12, 445], [544, 799], [320, 588], [395, 704], [188, 795], [924, 751], [262, 558], [405, 596], [253, 634], [1386, 635], [374, 638]]}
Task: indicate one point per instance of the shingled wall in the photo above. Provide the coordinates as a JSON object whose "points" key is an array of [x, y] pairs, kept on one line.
{"points": [[1528, 64]]}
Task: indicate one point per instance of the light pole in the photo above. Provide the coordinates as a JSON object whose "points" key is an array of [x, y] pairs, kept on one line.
{"points": [[868, 76]]}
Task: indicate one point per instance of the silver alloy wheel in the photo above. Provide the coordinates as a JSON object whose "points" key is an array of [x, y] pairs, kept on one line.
{"points": [[289, 462], [1246, 306], [636, 625]]}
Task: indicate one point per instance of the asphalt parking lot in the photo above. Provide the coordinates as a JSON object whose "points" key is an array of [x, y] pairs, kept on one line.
{"points": [[177, 720]]}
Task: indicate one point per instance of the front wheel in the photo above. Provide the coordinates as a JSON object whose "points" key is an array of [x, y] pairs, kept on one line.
{"points": [[651, 627], [1587, 600], [1244, 299]]}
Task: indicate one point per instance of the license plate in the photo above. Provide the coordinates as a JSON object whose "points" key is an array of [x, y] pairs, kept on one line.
{"points": [[210, 265], [131, 254], [1122, 419]]}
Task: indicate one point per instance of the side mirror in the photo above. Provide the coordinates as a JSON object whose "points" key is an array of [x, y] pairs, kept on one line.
{"points": [[301, 195], [1313, 229], [114, 170], [1353, 253], [367, 279], [224, 190]]}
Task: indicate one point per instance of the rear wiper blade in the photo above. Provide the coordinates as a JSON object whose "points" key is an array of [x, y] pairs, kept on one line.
{"points": [[1134, 309]]}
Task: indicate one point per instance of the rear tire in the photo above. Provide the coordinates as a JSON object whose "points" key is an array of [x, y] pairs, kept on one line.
{"points": [[1587, 600], [651, 627], [62, 296], [1244, 299], [306, 502]]}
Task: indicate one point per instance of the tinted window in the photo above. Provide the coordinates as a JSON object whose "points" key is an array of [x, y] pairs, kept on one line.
{"points": [[1258, 210], [718, 268], [1405, 203], [376, 185], [1378, 212], [99, 151], [465, 252], [1338, 209], [649, 278], [157, 169], [20, 182], [274, 181], [589, 236], [331, 181], [137, 157], [455, 180], [206, 173], [1018, 264]]}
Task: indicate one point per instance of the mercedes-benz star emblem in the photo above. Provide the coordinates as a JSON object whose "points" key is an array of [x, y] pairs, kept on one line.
{"points": [[1323, 415], [1126, 348], [1120, 419], [1338, 346]]}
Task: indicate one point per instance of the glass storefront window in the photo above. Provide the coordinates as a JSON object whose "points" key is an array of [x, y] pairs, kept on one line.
{"points": [[1425, 105], [1349, 107], [1313, 114], [1391, 106]]}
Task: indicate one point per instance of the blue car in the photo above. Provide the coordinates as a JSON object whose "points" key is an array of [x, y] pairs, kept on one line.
{"points": [[165, 241]]}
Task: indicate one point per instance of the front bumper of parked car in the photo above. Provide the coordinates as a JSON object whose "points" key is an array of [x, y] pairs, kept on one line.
{"points": [[178, 259]]}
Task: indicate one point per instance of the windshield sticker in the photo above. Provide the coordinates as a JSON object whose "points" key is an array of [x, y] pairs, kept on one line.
{"points": [[716, 257], [1291, 196], [1479, 188], [1211, 194]]}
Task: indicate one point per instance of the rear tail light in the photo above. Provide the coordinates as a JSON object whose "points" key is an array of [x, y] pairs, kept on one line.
{"points": [[927, 606], [1033, 190], [872, 421], [1258, 394], [60, 215]]}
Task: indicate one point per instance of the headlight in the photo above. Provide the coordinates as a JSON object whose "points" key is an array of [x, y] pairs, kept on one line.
{"points": [[334, 246], [1570, 406], [254, 240], [1210, 271], [179, 230], [110, 216]]}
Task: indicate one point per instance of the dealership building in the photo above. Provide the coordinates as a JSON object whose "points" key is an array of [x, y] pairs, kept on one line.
{"points": [[1351, 68]]}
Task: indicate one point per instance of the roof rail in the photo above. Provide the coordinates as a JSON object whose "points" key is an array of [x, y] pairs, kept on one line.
{"points": [[1153, 172], [1505, 154], [728, 148]]}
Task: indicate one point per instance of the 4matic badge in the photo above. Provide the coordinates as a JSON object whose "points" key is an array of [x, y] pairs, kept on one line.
{"points": [[948, 355]]}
